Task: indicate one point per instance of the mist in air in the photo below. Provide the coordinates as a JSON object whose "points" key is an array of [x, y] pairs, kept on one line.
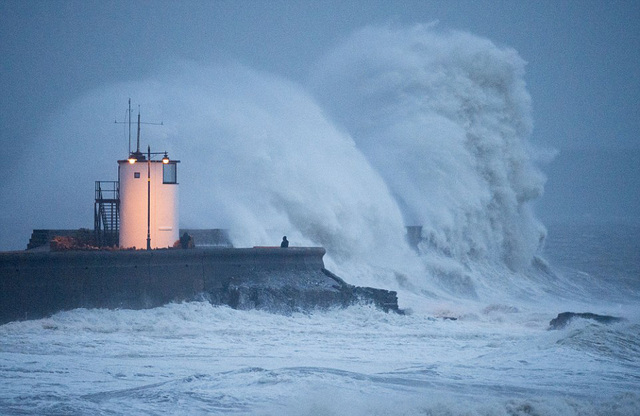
{"points": [[397, 126]]}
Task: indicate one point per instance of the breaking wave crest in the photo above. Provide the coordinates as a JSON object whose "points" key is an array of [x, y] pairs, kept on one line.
{"points": [[445, 119]]}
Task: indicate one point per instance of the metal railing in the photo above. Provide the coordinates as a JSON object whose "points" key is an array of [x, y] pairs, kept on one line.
{"points": [[107, 190]]}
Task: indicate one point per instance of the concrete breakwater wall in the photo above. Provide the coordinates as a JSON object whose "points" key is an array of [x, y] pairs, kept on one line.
{"points": [[37, 284]]}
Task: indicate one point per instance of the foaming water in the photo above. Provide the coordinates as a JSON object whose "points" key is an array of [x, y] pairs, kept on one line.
{"points": [[195, 358]]}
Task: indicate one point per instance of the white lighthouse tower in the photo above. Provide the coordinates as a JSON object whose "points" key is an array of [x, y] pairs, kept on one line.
{"points": [[148, 199]]}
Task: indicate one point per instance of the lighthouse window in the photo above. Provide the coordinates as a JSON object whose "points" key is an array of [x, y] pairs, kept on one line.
{"points": [[169, 173], [136, 174]]}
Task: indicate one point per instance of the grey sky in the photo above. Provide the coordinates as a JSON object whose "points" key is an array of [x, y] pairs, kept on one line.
{"points": [[583, 57], [583, 72]]}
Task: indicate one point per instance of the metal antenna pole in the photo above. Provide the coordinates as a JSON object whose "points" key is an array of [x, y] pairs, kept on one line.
{"points": [[129, 116], [138, 143]]}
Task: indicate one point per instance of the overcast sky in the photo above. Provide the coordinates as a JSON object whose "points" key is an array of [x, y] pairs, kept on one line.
{"points": [[583, 70]]}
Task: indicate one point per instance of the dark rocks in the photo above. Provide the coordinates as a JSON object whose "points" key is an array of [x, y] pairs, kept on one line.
{"points": [[563, 319], [287, 290], [386, 300]]}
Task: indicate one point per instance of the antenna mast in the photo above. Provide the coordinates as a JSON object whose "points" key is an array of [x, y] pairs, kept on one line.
{"points": [[139, 123], [138, 141], [129, 118]]}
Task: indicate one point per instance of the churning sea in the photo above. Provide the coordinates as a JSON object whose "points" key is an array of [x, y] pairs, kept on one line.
{"points": [[497, 358]]}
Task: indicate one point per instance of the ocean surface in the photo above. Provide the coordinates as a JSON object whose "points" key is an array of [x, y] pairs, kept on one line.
{"points": [[493, 359]]}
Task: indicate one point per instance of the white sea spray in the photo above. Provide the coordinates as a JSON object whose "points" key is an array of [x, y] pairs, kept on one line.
{"points": [[444, 117]]}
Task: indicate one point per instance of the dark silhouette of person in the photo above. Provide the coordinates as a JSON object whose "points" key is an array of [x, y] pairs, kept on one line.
{"points": [[185, 240], [285, 242]]}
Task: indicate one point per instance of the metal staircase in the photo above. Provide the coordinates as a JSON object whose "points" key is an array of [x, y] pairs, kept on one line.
{"points": [[106, 217]]}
